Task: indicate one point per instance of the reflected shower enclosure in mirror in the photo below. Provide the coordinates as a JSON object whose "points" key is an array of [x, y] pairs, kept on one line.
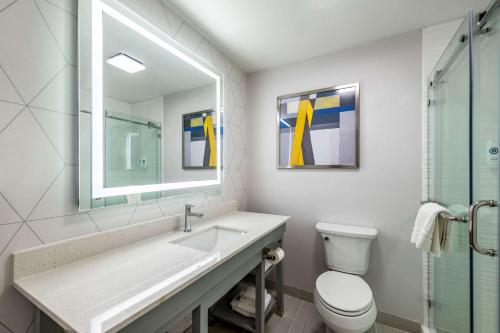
{"points": [[136, 87]]}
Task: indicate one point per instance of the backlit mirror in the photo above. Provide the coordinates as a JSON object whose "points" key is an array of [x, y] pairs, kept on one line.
{"points": [[150, 111]]}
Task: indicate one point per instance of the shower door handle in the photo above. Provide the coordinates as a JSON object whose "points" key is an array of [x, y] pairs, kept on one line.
{"points": [[474, 208]]}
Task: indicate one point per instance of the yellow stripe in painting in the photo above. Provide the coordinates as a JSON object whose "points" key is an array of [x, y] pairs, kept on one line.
{"points": [[209, 130], [305, 109], [327, 102], [196, 122]]}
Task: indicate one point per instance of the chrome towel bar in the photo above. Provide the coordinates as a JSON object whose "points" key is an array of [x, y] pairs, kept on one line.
{"points": [[447, 217], [472, 221]]}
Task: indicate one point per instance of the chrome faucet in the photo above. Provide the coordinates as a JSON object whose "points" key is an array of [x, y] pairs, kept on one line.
{"points": [[187, 214]]}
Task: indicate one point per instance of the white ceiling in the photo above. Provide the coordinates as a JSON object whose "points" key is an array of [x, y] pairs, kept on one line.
{"points": [[260, 34], [164, 74]]}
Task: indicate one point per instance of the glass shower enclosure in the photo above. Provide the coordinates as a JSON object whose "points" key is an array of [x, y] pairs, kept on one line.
{"points": [[463, 175], [133, 154]]}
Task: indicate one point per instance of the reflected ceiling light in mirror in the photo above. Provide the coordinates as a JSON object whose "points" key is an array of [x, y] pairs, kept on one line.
{"points": [[126, 63]]}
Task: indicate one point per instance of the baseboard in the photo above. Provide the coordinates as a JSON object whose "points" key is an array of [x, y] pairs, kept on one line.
{"points": [[382, 317], [292, 291], [398, 322]]}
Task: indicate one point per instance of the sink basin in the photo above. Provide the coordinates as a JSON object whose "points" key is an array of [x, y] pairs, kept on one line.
{"points": [[211, 239]]}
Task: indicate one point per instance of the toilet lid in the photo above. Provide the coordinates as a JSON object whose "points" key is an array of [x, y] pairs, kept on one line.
{"points": [[345, 292]]}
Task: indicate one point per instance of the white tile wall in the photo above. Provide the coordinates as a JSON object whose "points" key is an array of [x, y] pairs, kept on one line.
{"points": [[38, 135]]}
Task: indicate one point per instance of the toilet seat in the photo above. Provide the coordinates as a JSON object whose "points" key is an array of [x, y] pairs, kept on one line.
{"points": [[339, 323], [344, 294]]}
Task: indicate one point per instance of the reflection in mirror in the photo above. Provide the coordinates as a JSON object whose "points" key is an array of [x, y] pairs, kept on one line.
{"points": [[198, 140], [159, 118]]}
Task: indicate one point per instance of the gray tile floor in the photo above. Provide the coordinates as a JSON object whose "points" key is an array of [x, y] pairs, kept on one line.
{"points": [[300, 317]]}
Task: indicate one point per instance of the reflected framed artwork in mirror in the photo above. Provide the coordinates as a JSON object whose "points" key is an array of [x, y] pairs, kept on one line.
{"points": [[135, 85], [199, 144]]}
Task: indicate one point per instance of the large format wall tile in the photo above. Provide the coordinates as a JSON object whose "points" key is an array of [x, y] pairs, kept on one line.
{"points": [[236, 75], [5, 3], [38, 135], [214, 199], [9, 112], [238, 113], [30, 56], [60, 94], [197, 200], [30, 163], [7, 231], [58, 228], [173, 206], [4, 329], [7, 214], [62, 131], [238, 155], [112, 217], [63, 27], [204, 52], [237, 181], [62, 197], [69, 6], [174, 21], [220, 62], [151, 10], [7, 91], [188, 37], [146, 212]]}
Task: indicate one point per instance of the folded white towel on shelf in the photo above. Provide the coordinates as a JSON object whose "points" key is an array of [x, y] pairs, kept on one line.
{"points": [[248, 293], [427, 228], [244, 302]]}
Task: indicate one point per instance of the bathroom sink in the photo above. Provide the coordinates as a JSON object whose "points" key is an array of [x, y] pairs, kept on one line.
{"points": [[211, 239]]}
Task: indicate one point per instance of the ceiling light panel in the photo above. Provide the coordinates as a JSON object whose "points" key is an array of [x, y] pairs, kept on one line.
{"points": [[126, 63]]}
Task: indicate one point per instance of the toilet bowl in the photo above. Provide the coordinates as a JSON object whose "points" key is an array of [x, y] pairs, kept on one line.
{"points": [[344, 302], [343, 299]]}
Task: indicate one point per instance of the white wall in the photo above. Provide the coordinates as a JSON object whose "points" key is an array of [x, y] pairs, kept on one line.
{"points": [[150, 109], [39, 135], [175, 105], [383, 193], [110, 104]]}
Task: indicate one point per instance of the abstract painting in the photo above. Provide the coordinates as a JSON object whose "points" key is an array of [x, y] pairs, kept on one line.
{"points": [[319, 129], [199, 144]]}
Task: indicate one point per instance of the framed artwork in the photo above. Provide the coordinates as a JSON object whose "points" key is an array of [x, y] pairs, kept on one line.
{"points": [[319, 128], [199, 145]]}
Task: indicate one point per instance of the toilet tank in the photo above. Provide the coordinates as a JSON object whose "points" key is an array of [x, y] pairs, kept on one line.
{"points": [[346, 247]]}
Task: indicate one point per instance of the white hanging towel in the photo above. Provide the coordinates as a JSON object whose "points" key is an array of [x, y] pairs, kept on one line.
{"points": [[427, 228]]}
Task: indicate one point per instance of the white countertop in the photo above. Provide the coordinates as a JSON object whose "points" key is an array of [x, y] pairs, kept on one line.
{"points": [[106, 291]]}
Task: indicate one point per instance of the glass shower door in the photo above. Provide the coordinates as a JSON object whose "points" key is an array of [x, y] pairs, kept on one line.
{"points": [[449, 184], [485, 134], [463, 171]]}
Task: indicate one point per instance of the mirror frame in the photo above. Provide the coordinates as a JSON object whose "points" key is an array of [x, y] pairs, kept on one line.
{"points": [[133, 21]]}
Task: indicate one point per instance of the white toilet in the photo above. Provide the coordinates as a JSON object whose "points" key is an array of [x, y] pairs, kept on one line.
{"points": [[342, 298]]}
